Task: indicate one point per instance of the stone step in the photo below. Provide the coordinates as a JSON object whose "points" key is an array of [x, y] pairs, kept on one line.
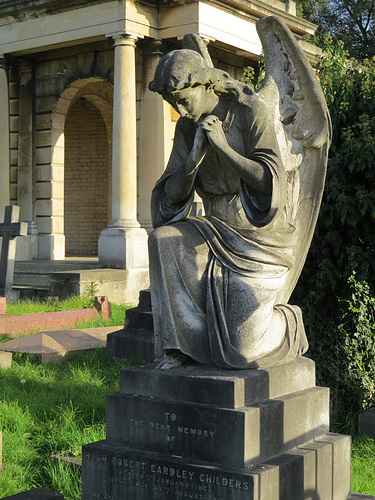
{"points": [[318, 469], [145, 300], [139, 320], [32, 280], [135, 345], [51, 266], [215, 386], [358, 496], [239, 437], [31, 292]]}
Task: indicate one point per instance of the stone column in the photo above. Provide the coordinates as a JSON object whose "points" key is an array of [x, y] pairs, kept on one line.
{"points": [[155, 133], [4, 138], [123, 244], [28, 247]]}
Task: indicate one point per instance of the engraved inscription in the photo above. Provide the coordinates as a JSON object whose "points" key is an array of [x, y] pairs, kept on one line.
{"points": [[170, 426], [175, 481]]}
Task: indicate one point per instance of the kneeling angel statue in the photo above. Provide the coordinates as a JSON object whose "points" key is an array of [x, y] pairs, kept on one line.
{"points": [[220, 283]]}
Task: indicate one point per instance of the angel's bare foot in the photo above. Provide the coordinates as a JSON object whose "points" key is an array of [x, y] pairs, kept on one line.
{"points": [[172, 359]]}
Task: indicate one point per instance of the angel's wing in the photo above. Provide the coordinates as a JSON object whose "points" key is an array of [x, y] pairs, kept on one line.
{"points": [[193, 41], [303, 128]]}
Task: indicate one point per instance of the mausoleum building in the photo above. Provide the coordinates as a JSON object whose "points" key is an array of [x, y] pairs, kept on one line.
{"points": [[82, 139]]}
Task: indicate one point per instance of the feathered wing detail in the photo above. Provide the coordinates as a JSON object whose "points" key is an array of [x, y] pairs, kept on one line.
{"points": [[194, 42], [303, 129]]}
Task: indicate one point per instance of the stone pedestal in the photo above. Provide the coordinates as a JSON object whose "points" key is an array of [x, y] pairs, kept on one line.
{"points": [[136, 340], [123, 248], [208, 434]]}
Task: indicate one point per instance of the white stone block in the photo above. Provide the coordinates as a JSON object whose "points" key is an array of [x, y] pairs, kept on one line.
{"points": [[43, 122], [123, 248], [13, 140], [43, 207], [43, 104], [43, 173], [52, 246], [43, 138], [57, 172], [13, 123], [50, 225], [43, 155], [58, 154], [43, 190]]}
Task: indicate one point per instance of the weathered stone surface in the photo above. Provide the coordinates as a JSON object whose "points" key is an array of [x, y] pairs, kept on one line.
{"points": [[220, 283], [120, 472], [220, 435], [225, 388], [125, 344], [366, 422], [341, 462], [36, 494], [53, 346], [15, 325], [136, 339], [117, 284], [103, 306]]}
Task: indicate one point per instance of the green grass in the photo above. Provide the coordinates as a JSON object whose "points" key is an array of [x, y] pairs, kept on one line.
{"points": [[32, 306], [73, 302], [52, 408], [56, 408], [363, 469]]}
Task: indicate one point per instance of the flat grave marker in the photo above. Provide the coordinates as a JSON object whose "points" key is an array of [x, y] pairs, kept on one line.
{"points": [[53, 346]]}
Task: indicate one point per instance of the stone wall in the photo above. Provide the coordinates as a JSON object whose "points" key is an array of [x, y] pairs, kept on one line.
{"points": [[69, 212], [87, 178], [62, 77], [13, 129]]}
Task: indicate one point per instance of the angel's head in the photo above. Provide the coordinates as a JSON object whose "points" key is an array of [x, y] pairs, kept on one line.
{"points": [[188, 84]]}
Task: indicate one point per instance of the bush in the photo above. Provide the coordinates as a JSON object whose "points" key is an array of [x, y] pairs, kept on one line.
{"points": [[334, 301], [338, 305]]}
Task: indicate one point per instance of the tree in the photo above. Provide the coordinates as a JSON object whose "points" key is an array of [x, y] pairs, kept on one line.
{"points": [[352, 21]]}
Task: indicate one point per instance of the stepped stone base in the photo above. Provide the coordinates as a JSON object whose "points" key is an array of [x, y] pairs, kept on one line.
{"points": [[208, 434], [136, 339], [116, 472]]}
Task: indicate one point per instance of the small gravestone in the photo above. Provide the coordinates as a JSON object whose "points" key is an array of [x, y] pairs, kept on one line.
{"points": [[55, 345], [9, 230], [366, 423]]}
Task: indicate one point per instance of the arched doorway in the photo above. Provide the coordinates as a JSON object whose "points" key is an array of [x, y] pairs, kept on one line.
{"points": [[81, 160], [87, 180]]}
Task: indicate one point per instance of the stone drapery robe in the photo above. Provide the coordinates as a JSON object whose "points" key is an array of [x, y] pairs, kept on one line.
{"points": [[215, 279]]}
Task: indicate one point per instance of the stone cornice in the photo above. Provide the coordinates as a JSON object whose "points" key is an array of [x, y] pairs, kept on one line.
{"points": [[9, 7], [254, 9]]}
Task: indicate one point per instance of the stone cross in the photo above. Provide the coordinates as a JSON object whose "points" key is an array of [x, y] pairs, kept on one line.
{"points": [[9, 230]]}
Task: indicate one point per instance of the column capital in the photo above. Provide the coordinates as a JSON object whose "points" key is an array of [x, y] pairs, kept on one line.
{"points": [[123, 38], [153, 48]]}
